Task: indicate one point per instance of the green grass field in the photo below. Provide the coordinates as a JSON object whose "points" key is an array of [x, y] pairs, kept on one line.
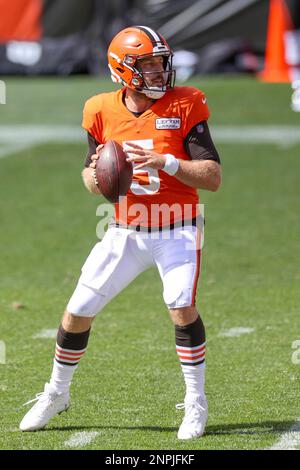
{"points": [[125, 388]]}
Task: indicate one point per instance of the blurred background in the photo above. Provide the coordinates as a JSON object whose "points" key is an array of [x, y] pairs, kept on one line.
{"points": [[64, 37]]}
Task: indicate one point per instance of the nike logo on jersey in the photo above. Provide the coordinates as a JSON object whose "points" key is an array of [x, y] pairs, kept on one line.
{"points": [[168, 123], [204, 100]]}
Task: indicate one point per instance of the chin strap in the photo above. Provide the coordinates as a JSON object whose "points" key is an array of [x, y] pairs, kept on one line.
{"points": [[155, 95]]}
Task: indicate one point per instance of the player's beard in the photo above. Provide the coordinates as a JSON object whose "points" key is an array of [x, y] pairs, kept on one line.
{"points": [[156, 85], [156, 79]]}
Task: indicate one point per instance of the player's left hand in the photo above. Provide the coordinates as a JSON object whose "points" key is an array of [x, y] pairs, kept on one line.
{"points": [[144, 157]]}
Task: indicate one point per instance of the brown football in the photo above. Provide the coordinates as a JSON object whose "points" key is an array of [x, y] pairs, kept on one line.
{"points": [[113, 172]]}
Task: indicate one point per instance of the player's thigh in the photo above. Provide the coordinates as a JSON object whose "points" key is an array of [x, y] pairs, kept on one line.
{"points": [[178, 261], [110, 267]]}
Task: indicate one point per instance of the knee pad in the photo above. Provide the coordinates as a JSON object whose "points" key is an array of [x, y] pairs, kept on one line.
{"points": [[178, 297], [179, 286], [85, 301]]}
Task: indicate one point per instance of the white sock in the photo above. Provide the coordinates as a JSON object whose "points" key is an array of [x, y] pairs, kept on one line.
{"points": [[194, 377], [61, 377]]}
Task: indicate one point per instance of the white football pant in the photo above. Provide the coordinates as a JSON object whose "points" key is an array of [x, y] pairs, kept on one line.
{"points": [[123, 254]]}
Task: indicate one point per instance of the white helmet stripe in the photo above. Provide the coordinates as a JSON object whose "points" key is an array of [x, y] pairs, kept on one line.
{"points": [[152, 33], [114, 76], [115, 56]]}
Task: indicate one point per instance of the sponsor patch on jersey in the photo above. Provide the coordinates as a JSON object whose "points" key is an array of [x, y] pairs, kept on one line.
{"points": [[168, 123]]}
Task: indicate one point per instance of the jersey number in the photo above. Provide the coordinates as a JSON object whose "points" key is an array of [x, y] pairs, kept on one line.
{"points": [[145, 180]]}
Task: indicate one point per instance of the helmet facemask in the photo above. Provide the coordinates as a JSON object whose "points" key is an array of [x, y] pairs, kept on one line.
{"points": [[153, 84]]}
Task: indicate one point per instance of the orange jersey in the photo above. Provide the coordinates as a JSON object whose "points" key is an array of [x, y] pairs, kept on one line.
{"points": [[155, 198]]}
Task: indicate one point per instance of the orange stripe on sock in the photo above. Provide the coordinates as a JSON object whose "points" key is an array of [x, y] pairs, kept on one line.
{"points": [[195, 351], [61, 351], [70, 358], [192, 357]]}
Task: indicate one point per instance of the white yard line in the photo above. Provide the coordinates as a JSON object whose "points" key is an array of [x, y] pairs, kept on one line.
{"points": [[9, 148], [19, 137], [81, 439], [41, 133], [290, 439], [45, 334], [236, 331], [285, 136]]}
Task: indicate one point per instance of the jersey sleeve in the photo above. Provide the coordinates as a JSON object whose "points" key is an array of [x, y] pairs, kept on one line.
{"points": [[91, 119], [93, 144], [196, 111], [199, 144]]}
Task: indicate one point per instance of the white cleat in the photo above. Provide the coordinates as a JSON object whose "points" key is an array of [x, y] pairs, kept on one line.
{"points": [[194, 421], [49, 403]]}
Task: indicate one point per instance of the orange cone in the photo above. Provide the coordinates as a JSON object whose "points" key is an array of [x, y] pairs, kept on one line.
{"points": [[276, 69]]}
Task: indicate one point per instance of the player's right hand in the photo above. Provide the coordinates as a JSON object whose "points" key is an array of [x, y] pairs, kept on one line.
{"points": [[95, 157]]}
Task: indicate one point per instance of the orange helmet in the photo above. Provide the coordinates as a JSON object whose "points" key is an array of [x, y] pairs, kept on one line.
{"points": [[127, 48]]}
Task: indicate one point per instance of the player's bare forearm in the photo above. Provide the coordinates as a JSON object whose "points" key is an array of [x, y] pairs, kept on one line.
{"points": [[89, 181], [203, 174]]}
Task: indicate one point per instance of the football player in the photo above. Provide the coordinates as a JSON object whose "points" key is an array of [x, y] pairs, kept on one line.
{"points": [[165, 134]]}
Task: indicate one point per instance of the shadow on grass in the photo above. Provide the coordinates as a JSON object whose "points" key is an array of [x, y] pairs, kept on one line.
{"points": [[120, 428], [264, 427]]}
